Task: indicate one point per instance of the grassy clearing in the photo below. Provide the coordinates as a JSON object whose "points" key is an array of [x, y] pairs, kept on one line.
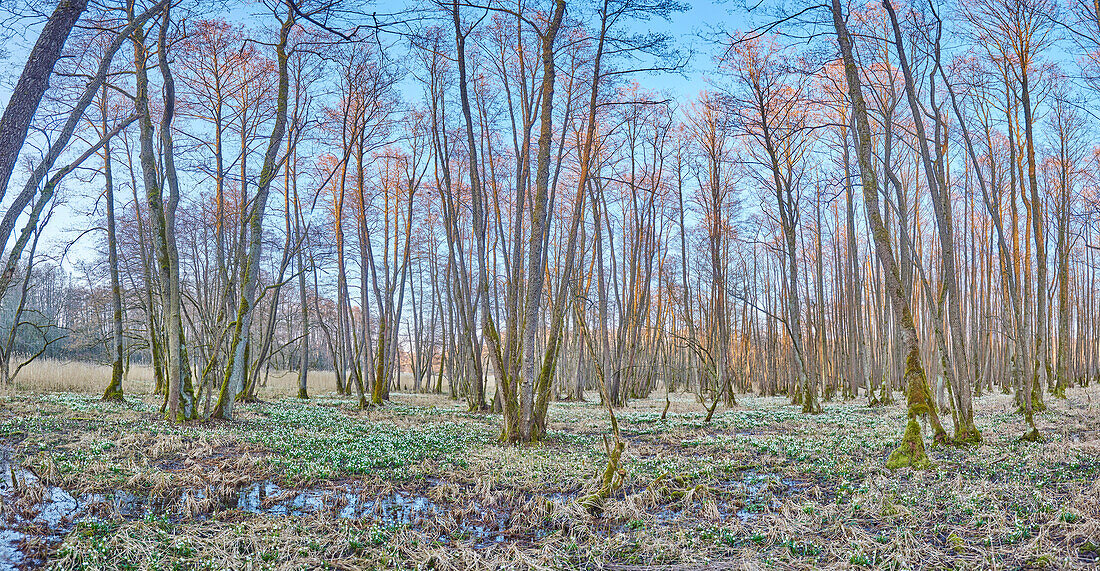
{"points": [[58, 376], [760, 486]]}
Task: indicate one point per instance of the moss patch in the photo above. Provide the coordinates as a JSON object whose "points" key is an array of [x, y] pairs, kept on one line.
{"points": [[910, 452]]}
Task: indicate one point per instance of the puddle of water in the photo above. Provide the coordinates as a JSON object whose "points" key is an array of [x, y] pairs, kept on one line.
{"points": [[55, 511], [752, 494], [397, 508], [762, 491], [562, 497], [11, 556], [49, 519], [401, 509]]}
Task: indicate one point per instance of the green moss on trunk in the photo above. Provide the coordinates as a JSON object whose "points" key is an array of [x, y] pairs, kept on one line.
{"points": [[593, 503], [911, 450], [968, 434]]}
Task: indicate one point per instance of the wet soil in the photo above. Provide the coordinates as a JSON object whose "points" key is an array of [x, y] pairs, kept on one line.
{"points": [[37, 515]]}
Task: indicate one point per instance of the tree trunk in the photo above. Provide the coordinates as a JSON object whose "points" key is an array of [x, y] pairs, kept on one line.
{"points": [[33, 83], [236, 368], [911, 452]]}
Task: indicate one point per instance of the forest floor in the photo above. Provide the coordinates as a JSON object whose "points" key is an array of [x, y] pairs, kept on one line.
{"points": [[421, 483]]}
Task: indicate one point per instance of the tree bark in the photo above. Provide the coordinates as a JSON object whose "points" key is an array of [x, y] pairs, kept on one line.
{"points": [[33, 83], [911, 452], [236, 367]]}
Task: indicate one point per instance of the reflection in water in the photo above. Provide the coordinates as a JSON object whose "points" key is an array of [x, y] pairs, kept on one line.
{"points": [[32, 512], [27, 504], [35, 515]]}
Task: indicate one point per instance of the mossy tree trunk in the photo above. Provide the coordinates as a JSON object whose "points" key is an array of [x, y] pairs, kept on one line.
{"points": [[181, 394], [523, 375], [919, 401], [179, 397], [1069, 130], [114, 389], [236, 367], [956, 367]]}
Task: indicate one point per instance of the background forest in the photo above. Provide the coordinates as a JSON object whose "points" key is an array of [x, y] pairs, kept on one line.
{"points": [[519, 204], [312, 188]]}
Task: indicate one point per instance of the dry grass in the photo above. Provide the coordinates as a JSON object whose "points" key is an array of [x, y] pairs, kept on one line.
{"points": [[82, 377], [760, 486], [54, 376]]}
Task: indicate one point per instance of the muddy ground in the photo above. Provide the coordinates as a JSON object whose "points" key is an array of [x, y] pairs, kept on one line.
{"points": [[420, 483]]}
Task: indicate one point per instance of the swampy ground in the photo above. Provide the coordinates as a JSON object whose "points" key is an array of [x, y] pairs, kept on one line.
{"points": [[420, 483]]}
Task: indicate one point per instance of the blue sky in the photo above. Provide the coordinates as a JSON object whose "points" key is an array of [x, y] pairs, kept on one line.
{"points": [[690, 29], [693, 30]]}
